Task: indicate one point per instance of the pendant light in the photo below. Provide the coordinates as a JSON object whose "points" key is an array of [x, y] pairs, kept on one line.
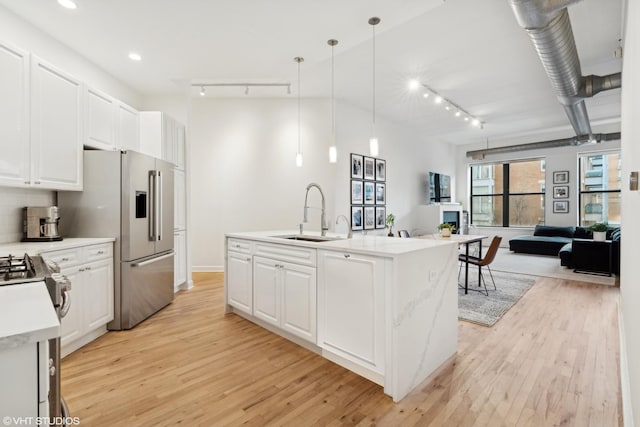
{"points": [[374, 146], [299, 59], [333, 151]]}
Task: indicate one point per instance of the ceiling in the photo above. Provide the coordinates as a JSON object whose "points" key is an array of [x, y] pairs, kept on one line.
{"points": [[472, 52]]}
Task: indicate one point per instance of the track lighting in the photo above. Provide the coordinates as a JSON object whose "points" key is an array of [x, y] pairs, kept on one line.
{"points": [[246, 86], [246, 90], [448, 104], [201, 90]]}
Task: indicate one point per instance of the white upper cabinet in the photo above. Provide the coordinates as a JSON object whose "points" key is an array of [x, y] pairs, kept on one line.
{"points": [[163, 137], [14, 116], [128, 131], [56, 128], [100, 120]]}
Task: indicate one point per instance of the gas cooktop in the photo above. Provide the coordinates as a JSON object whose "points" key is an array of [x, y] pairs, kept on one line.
{"points": [[21, 269]]}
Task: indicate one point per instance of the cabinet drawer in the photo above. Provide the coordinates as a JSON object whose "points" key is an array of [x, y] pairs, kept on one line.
{"points": [[242, 246], [96, 252], [65, 258], [298, 255]]}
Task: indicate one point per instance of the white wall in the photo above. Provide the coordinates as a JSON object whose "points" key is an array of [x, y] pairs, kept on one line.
{"points": [[12, 200], [244, 175], [629, 286], [557, 159]]}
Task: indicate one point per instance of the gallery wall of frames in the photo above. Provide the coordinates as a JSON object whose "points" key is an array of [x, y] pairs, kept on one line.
{"points": [[368, 192]]}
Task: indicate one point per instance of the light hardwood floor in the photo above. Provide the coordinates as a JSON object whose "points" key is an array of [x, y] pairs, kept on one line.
{"points": [[551, 360]]}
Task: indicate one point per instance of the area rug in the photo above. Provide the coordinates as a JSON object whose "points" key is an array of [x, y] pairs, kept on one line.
{"points": [[487, 310]]}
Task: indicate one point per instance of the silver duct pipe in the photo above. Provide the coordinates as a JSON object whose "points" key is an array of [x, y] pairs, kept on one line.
{"points": [[548, 25], [576, 140], [592, 85]]}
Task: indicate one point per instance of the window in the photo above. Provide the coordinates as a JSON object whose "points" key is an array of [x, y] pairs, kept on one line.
{"points": [[508, 194], [600, 184]]}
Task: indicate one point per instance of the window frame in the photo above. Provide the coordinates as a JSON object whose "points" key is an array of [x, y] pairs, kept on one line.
{"points": [[581, 192], [505, 194]]}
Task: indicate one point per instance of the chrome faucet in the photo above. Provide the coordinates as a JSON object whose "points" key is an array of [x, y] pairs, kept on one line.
{"points": [[350, 233], [323, 222]]}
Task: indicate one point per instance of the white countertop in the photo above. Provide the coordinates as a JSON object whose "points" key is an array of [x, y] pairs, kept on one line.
{"points": [[359, 243], [36, 248], [26, 315]]}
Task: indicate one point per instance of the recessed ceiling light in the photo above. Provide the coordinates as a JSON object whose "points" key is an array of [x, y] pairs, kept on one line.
{"points": [[414, 84], [69, 4], [135, 56]]}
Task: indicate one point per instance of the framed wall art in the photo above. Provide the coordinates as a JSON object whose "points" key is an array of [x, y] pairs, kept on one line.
{"points": [[381, 198], [369, 217], [561, 177], [381, 170], [356, 166], [356, 217], [369, 168], [560, 206], [561, 192], [369, 193], [356, 192], [381, 217]]}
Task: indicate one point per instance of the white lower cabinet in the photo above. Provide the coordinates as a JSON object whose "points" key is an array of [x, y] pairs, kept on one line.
{"points": [[25, 380], [284, 295], [239, 279], [90, 271], [351, 307]]}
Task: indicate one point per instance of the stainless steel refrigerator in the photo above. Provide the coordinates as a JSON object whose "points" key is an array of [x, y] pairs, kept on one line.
{"points": [[129, 196]]}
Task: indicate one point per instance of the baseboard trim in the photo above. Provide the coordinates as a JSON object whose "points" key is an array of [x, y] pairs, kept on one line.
{"points": [[625, 386]]}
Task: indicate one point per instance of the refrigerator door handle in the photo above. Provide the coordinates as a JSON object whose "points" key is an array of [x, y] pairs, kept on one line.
{"points": [[160, 207], [152, 206], [151, 261]]}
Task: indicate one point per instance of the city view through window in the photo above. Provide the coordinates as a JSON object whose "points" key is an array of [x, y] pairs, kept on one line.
{"points": [[600, 185]]}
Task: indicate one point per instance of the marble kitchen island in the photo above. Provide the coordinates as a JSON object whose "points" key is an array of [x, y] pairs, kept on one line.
{"points": [[383, 307]]}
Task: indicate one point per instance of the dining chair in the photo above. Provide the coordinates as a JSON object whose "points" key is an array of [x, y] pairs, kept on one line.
{"points": [[403, 233], [485, 261]]}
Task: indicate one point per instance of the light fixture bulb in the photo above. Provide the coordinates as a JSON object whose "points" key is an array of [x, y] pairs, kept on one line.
{"points": [[438, 99], [201, 90], [69, 4], [374, 146], [299, 159], [475, 122], [446, 107], [458, 113], [333, 154], [414, 84], [466, 118], [135, 56], [425, 95]]}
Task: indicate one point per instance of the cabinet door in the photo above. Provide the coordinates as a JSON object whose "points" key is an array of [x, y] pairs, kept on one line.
{"points": [[19, 387], [100, 120], [266, 291], [98, 293], [180, 146], [351, 307], [72, 324], [179, 207], [168, 139], [56, 125], [180, 259], [14, 113], [298, 285], [240, 281], [128, 128]]}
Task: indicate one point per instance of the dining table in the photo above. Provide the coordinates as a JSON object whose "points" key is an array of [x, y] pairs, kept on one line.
{"points": [[466, 240]]}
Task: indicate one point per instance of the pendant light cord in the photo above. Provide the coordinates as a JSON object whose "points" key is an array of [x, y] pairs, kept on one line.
{"points": [[373, 27], [299, 110], [333, 99]]}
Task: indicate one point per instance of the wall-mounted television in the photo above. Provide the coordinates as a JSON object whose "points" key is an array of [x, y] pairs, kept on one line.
{"points": [[439, 188]]}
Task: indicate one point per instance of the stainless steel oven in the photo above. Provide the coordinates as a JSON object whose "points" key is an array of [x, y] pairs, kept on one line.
{"points": [[15, 270]]}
